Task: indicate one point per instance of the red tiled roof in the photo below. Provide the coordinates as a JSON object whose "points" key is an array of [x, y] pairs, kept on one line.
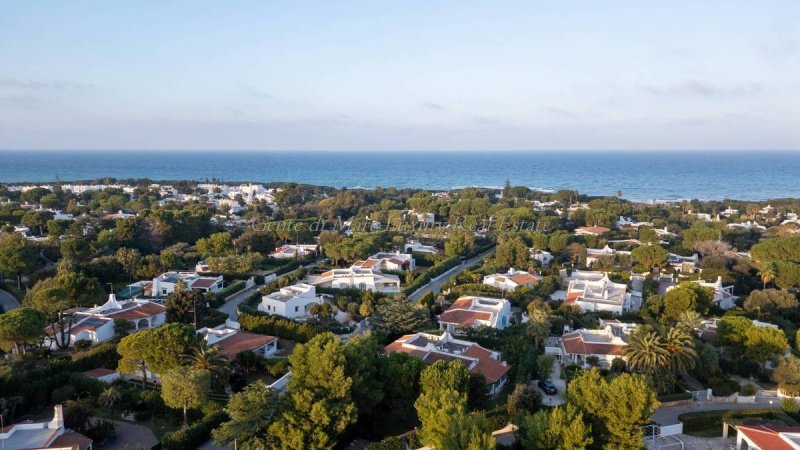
{"points": [[462, 303], [72, 439], [97, 373], [204, 283], [594, 230], [572, 297], [140, 312], [574, 344], [766, 436], [463, 317], [491, 369], [523, 278], [242, 341]]}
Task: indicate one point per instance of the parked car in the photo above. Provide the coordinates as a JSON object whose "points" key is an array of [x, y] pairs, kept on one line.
{"points": [[548, 387]]}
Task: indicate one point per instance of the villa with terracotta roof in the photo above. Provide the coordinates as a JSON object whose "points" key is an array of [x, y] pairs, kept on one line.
{"points": [[231, 341], [393, 262], [591, 231], [294, 251], [475, 312], [431, 348], [605, 344], [293, 302], [96, 324], [767, 437], [354, 277], [593, 291], [511, 280]]}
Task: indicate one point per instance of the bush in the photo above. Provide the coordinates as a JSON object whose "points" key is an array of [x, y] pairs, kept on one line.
{"points": [[390, 443], [194, 436], [63, 393], [232, 288], [674, 397], [791, 390], [723, 387], [705, 420], [82, 344], [789, 406], [101, 431], [748, 390], [277, 326]]}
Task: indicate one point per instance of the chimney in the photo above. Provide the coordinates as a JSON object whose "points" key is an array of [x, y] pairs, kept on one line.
{"points": [[58, 417]]}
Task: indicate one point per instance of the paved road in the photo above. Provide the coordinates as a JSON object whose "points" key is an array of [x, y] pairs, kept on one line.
{"points": [[8, 301], [669, 415], [130, 435], [435, 285], [210, 445]]}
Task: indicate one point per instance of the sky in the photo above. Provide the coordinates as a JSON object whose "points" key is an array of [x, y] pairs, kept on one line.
{"points": [[400, 75]]}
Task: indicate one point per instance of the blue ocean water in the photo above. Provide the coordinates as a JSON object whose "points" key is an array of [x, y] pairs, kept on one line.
{"points": [[646, 175]]}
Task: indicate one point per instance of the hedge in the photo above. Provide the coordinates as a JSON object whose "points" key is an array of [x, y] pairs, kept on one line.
{"points": [[434, 272], [674, 397], [194, 436], [396, 442], [277, 326], [232, 288], [704, 420], [723, 387]]}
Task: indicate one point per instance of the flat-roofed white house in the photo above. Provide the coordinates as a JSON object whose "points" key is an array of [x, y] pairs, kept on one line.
{"points": [[593, 255], [393, 262], [353, 277], [50, 434], [623, 222], [293, 302], [591, 231], [543, 256], [431, 348], [511, 279], [294, 251], [416, 247], [606, 344], [593, 291], [475, 312], [165, 283], [723, 295], [231, 341], [96, 324], [684, 264]]}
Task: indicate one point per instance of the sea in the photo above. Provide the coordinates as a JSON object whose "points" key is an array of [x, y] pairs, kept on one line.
{"points": [[638, 175]]}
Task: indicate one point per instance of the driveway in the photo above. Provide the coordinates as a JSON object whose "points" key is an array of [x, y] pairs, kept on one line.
{"points": [[8, 301], [561, 385], [130, 435], [210, 445], [435, 285]]}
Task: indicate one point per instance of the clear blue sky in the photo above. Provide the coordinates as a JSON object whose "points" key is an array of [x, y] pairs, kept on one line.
{"points": [[400, 74]]}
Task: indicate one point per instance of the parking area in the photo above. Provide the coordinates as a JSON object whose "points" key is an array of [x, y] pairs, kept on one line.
{"points": [[561, 385]]}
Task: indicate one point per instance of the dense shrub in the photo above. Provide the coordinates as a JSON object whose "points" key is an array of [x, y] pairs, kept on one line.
{"points": [[722, 387], [705, 420], [277, 326], [232, 288], [194, 436], [792, 390], [432, 273], [674, 397]]}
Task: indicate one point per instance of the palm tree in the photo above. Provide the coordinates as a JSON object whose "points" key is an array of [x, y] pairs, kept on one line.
{"points": [[109, 397], [767, 273], [680, 346], [538, 325], [645, 352], [210, 359], [689, 319]]}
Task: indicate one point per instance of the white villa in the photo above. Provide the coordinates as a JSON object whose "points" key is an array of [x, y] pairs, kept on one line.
{"points": [[684, 264], [416, 247], [623, 222], [97, 324], [164, 284], [292, 302], [605, 344], [364, 279], [469, 311], [394, 262], [294, 251], [729, 212], [707, 330], [593, 291], [511, 280], [431, 348], [767, 437], [42, 435], [594, 254], [544, 257], [749, 225], [723, 295], [231, 341], [591, 231]]}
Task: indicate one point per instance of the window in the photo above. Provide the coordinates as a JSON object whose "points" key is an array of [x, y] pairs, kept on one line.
{"points": [[296, 308]]}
